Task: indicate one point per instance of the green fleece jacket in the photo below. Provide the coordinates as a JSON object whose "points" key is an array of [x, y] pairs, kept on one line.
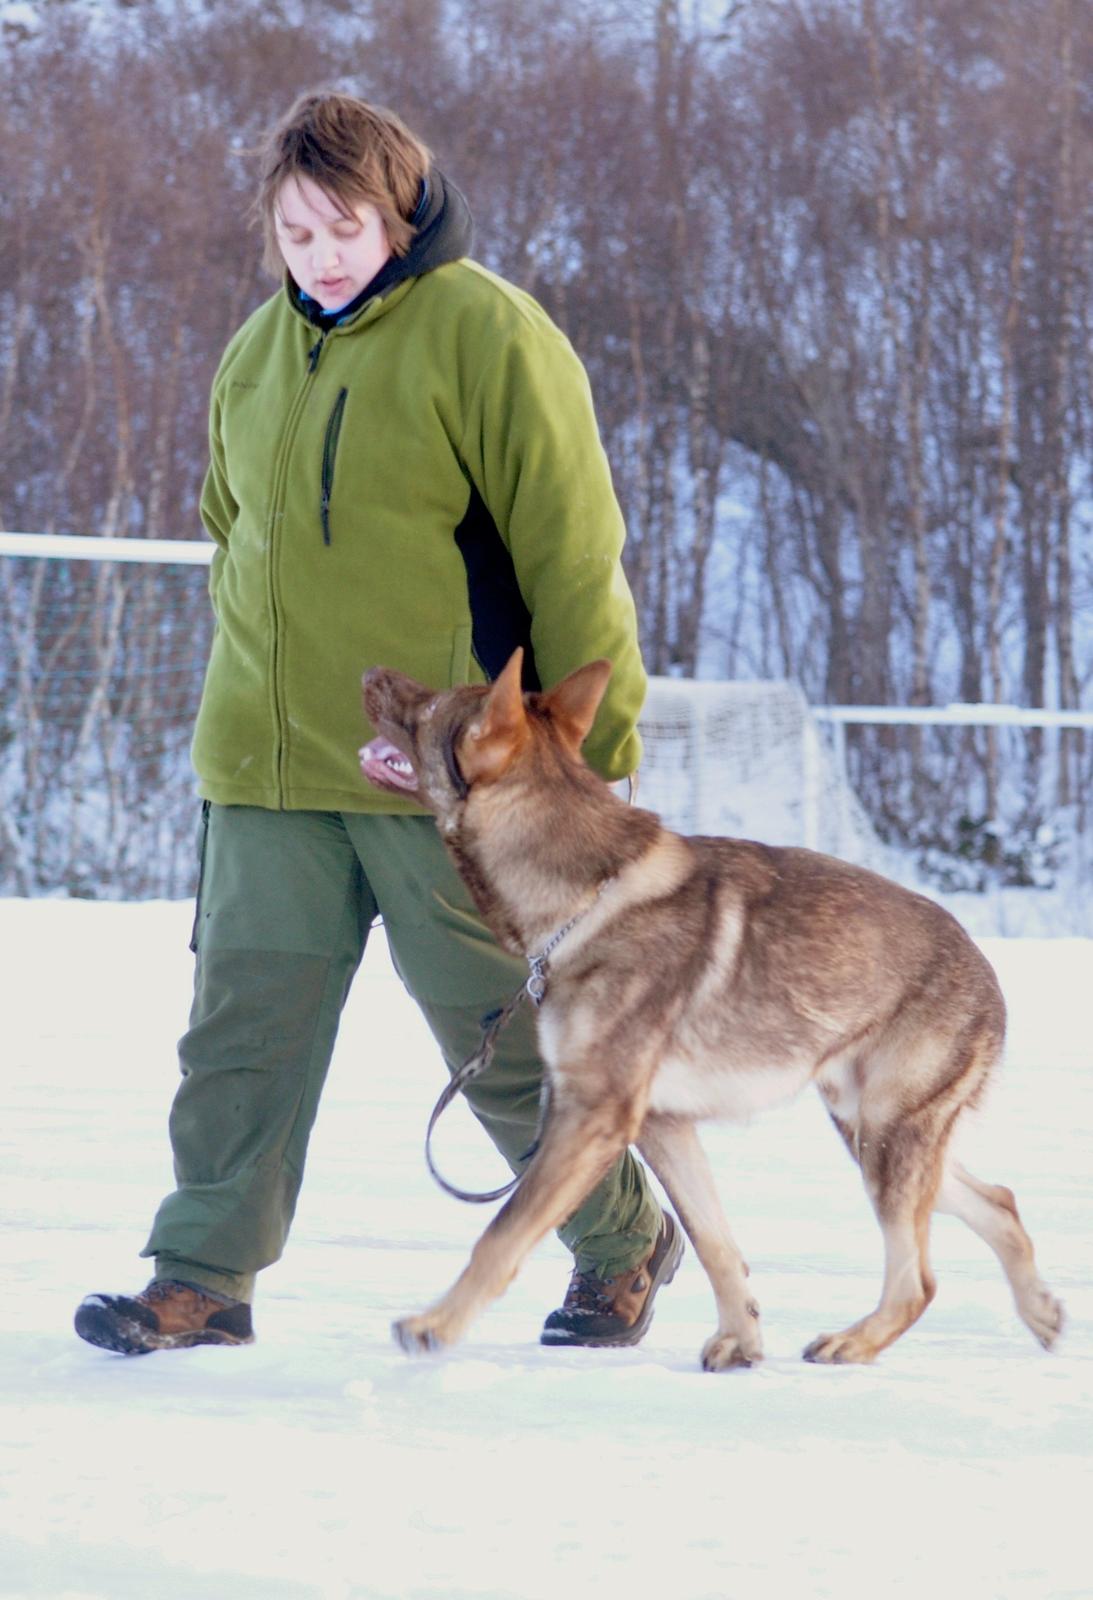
{"points": [[343, 464]]}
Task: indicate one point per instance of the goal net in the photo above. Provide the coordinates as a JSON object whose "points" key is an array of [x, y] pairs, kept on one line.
{"points": [[101, 664], [749, 760]]}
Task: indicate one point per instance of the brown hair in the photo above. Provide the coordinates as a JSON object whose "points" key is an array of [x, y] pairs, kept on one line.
{"points": [[355, 152]]}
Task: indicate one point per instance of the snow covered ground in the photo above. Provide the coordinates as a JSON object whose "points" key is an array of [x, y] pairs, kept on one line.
{"points": [[321, 1462]]}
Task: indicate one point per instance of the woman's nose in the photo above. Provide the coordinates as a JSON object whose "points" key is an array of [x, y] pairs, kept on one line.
{"points": [[325, 254]]}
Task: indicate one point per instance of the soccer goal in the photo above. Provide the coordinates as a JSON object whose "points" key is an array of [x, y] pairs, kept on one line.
{"points": [[750, 760]]}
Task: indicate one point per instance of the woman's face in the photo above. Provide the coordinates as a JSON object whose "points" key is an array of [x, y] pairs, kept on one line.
{"points": [[330, 255]]}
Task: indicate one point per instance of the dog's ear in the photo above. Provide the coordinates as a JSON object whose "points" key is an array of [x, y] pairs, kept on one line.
{"points": [[494, 737], [573, 703]]}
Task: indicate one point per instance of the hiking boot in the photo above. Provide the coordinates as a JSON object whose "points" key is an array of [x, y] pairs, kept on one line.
{"points": [[615, 1311], [168, 1315]]}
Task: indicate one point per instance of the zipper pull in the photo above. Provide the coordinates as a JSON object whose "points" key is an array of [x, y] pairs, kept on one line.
{"points": [[315, 352]]}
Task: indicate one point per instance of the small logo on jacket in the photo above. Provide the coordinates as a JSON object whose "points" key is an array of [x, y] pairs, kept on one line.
{"points": [[243, 383]]}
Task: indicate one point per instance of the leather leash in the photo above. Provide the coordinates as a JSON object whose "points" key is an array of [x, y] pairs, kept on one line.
{"points": [[472, 1068], [533, 989]]}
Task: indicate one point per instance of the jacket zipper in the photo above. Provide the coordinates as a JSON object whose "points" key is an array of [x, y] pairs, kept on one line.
{"points": [[330, 450]]}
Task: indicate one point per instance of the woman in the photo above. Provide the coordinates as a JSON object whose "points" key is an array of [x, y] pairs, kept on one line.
{"points": [[405, 470]]}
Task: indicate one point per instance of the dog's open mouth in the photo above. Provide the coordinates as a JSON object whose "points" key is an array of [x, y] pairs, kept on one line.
{"points": [[385, 765]]}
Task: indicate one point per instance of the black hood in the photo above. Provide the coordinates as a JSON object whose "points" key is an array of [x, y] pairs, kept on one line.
{"points": [[445, 231]]}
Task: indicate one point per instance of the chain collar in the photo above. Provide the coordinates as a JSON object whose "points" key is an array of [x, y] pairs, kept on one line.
{"points": [[537, 981]]}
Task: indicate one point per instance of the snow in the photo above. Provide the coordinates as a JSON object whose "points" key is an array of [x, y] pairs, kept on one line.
{"points": [[322, 1462], [20, 17]]}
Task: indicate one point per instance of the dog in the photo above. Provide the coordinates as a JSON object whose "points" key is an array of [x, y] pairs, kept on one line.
{"points": [[690, 978]]}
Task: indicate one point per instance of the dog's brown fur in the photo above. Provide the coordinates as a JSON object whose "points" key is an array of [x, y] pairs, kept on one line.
{"points": [[709, 978]]}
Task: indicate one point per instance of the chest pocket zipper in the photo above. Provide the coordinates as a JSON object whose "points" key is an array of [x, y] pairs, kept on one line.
{"points": [[330, 450]]}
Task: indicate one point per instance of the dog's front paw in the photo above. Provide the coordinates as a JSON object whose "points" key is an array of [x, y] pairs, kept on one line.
{"points": [[418, 1335], [836, 1349], [725, 1351]]}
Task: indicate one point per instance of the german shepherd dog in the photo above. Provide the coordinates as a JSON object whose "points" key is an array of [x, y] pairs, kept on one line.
{"points": [[702, 978]]}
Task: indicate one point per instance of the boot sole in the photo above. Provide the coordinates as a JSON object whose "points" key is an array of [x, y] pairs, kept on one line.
{"points": [[560, 1337], [100, 1326]]}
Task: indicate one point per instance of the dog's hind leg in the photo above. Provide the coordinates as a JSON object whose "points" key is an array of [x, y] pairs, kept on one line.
{"points": [[578, 1146], [991, 1211], [901, 1166], [674, 1151]]}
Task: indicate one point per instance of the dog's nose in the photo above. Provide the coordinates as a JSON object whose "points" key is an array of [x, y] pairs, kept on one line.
{"points": [[372, 694], [375, 683]]}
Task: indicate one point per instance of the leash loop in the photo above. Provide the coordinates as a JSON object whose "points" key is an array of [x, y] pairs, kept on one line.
{"points": [[472, 1068]]}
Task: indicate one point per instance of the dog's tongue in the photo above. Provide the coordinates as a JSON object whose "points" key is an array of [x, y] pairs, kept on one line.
{"points": [[384, 764]]}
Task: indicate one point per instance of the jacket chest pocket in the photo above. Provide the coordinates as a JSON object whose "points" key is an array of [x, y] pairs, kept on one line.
{"points": [[330, 451]]}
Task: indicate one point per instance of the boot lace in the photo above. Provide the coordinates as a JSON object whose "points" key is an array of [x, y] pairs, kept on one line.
{"points": [[587, 1292], [163, 1289]]}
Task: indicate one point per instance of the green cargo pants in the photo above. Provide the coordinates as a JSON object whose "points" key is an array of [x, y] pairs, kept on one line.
{"points": [[285, 902]]}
